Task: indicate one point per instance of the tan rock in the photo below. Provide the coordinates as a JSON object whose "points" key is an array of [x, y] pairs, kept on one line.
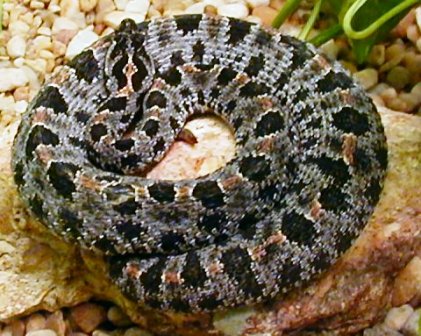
{"points": [[87, 5], [64, 23], [136, 332], [56, 323], [265, 13], [367, 77], [88, 316], [412, 326], [258, 3], [35, 322], [118, 317], [397, 317], [236, 10], [18, 328], [407, 285]]}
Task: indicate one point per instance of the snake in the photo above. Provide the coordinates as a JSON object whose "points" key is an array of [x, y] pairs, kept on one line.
{"points": [[308, 170]]}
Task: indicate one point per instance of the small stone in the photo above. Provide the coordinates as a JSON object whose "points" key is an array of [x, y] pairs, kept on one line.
{"points": [[20, 107], [121, 4], [12, 78], [277, 4], [71, 10], [138, 6], [393, 55], [258, 3], [56, 322], [398, 77], [412, 33], [42, 42], [265, 13], [16, 46], [59, 48], [44, 31], [39, 65], [113, 19], [412, 326], [87, 5], [21, 93], [34, 4], [18, 327], [18, 28], [407, 286], [103, 8], [135, 331], [88, 316], [118, 317], [396, 317], [7, 331], [367, 77], [331, 49], [63, 23], [197, 8], [35, 322], [41, 332], [80, 41], [236, 10], [101, 333], [377, 55]]}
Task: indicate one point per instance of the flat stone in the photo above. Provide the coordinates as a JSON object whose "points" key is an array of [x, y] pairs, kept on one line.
{"points": [[88, 316], [16, 46], [396, 317], [80, 41], [41, 332], [237, 10]]}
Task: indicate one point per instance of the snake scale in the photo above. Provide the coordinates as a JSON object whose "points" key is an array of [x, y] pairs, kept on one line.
{"points": [[310, 160]]}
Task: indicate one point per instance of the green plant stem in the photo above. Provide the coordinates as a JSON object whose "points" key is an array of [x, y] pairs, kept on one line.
{"points": [[287, 9], [326, 35], [311, 20], [1, 15], [358, 35]]}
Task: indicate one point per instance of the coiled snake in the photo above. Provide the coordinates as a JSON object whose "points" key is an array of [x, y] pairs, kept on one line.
{"points": [[310, 160]]}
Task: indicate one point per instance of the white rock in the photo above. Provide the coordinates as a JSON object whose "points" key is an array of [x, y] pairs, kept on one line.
{"points": [[16, 46], [121, 4], [113, 19], [258, 3], [197, 8], [137, 6], [18, 28], [80, 41], [63, 23], [71, 10], [412, 326], [12, 78], [237, 10], [396, 317], [20, 106], [216, 3], [418, 17]]}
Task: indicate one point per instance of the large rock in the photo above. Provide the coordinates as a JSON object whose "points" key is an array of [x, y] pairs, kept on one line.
{"points": [[39, 271]]}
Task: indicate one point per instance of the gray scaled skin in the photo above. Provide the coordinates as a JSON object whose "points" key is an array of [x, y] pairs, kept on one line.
{"points": [[310, 160]]}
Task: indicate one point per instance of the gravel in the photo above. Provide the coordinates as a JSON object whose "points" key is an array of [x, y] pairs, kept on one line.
{"points": [[39, 36]]}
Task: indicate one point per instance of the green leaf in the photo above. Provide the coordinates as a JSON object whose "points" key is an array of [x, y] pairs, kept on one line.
{"points": [[369, 13]]}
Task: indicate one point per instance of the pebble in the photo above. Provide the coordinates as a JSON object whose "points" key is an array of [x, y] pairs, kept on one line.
{"points": [[398, 77], [87, 5], [41, 332], [18, 327], [265, 13], [35, 322], [377, 55], [21, 93], [394, 55], [237, 10], [197, 8], [367, 77], [277, 4], [63, 23], [118, 317], [18, 28], [16, 46], [412, 326], [12, 78], [397, 316], [418, 17], [137, 6], [121, 4], [88, 316], [257, 3], [114, 18], [80, 41], [56, 322], [381, 330]]}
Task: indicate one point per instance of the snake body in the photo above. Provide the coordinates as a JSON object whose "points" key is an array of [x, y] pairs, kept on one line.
{"points": [[310, 160]]}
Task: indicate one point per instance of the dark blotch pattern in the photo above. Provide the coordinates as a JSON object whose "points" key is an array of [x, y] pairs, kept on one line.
{"points": [[61, 176], [188, 23], [334, 80], [255, 168], [162, 192], [71, 221], [226, 76], [333, 199], [247, 226], [238, 31], [298, 228], [349, 120], [98, 131], [129, 230], [193, 274], [118, 71], [152, 278], [209, 194], [85, 65], [256, 64], [237, 265], [127, 208], [156, 98], [252, 89], [39, 135], [51, 97], [334, 168], [36, 205], [151, 127], [212, 223], [172, 241], [124, 144], [269, 123]]}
